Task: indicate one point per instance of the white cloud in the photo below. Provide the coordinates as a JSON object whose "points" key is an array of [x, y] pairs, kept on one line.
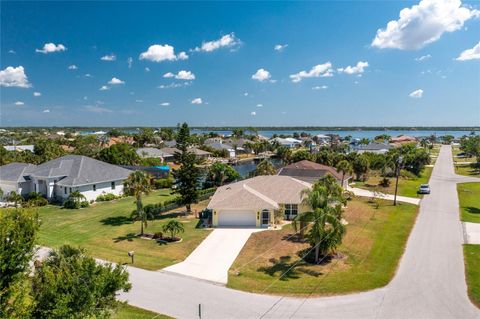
{"points": [[109, 57], [165, 104], [88, 75], [470, 54], [12, 51], [423, 58], [182, 56], [37, 94], [50, 48], [169, 75], [320, 87], [46, 111], [174, 85], [147, 69], [115, 81], [261, 75], [417, 94], [185, 75], [259, 105], [422, 24], [159, 53], [359, 68], [280, 47], [139, 101], [104, 88], [14, 77], [245, 94], [97, 109], [130, 62], [253, 113], [73, 67], [226, 41], [19, 103], [319, 70], [197, 100]]}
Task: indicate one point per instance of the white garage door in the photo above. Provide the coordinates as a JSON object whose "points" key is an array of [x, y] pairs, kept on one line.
{"points": [[236, 218]]}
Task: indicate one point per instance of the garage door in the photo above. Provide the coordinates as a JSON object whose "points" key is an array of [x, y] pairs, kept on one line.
{"points": [[236, 218]]}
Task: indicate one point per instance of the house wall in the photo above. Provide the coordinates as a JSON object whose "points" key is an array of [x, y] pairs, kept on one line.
{"points": [[8, 187], [88, 192]]}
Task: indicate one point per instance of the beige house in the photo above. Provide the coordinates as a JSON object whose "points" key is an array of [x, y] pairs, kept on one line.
{"points": [[254, 201]]}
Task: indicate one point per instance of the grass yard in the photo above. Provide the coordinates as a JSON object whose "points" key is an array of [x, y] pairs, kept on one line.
{"points": [[472, 270], [466, 170], [455, 151], [371, 250], [469, 198], [106, 231], [131, 312], [406, 187]]}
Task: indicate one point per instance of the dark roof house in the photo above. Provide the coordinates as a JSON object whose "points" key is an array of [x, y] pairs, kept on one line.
{"points": [[310, 172]]}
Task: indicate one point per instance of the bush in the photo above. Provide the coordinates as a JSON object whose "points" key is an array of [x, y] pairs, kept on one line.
{"points": [[163, 183], [158, 235], [407, 175], [84, 204], [385, 182], [106, 197], [36, 202], [71, 204]]}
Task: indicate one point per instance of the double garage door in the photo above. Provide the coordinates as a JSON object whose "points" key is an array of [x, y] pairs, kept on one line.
{"points": [[237, 218]]}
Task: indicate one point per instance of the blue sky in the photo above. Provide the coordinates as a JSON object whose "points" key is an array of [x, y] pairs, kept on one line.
{"points": [[339, 63]]}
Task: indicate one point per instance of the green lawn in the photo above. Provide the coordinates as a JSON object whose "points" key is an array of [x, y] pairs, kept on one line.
{"points": [[106, 231], [131, 312], [472, 270], [466, 170], [406, 187], [469, 197], [371, 250]]}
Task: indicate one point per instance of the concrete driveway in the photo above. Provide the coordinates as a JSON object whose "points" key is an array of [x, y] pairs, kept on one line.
{"points": [[212, 259]]}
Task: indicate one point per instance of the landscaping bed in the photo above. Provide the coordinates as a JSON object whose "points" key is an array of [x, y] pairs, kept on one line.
{"points": [[367, 259], [469, 199], [106, 231]]}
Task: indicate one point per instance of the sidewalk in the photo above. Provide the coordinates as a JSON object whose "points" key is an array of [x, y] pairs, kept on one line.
{"points": [[367, 193]]}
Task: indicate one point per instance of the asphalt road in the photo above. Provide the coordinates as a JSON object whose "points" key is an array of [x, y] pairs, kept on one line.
{"points": [[430, 281]]}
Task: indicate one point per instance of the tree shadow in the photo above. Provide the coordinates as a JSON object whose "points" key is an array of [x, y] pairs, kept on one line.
{"points": [[288, 269], [116, 221], [295, 238], [168, 215], [127, 237], [473, 210]]}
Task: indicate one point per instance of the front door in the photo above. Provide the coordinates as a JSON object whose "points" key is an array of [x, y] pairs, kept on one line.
{"points": [[265, 217]]}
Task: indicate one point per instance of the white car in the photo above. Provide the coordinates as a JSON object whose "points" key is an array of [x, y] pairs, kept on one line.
{"points": [[424, 189]]}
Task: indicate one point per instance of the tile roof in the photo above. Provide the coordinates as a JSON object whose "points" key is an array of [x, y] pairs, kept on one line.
{"points": [[309, 171]]}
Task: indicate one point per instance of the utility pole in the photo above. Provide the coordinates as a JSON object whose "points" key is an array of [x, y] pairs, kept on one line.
{"points": [[397, 169]]}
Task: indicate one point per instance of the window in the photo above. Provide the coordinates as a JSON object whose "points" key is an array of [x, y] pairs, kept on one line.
{"points": [[291, 211], [94, 187], [70, 190], [65, 191], [113, 185]]}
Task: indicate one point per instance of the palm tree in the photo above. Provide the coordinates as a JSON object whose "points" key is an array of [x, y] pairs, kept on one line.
{"points": [[173, 227], [138, 184], [265, 167], [14, 197], [344, 167], [325, 200]]}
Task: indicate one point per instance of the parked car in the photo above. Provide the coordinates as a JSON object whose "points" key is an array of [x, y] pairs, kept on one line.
{"points": [[424, 189]]}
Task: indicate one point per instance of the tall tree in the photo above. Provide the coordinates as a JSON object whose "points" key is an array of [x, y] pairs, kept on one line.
{"points": [[137, 185], [345, 168], [18, 231], [219, 174], [119, 154], [361, 166], [188, 175], [265, 167]]}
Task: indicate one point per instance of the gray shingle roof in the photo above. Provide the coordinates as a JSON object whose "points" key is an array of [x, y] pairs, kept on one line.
{"points": [[76, 170], [15, 172], [374, 147], [152, 152]]}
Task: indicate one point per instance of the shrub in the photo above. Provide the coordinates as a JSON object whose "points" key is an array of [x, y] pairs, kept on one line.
{"points": [[163, 183], [36, 202], [71, 204], [158, 235], [84, 204], [106, 197], [385, 182]]}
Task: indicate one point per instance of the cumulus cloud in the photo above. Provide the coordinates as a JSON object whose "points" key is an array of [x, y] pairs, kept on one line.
{"points": [[280, 47], [14, 77], [245, 94], [159, 53], [259, 105], [19, 103], [319, 70], [359, 68], [73, 67], [37, 94], [46, 111], [197, 100], [261, 75], [130, 62], [104, 88], [470, 54], [169, 75], [109, 57], [253, 113], [12, 51], [174, 85], [115, 81], [185, 75], [226, 41], [422, 24], [138, 101], [88, 75], [165, 104], [320, 87], [147, 69], [51, 47], [423, 58], [417, 94]]}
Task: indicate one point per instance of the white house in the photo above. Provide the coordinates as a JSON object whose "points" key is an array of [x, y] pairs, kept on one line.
{"points": [[378, 148], [287, 142], [57, 178]]}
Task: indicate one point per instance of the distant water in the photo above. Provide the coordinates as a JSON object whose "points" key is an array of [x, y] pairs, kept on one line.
{"points": [[246, 167], [354, 134]]}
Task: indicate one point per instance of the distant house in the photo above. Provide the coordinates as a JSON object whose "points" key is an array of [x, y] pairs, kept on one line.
{"points": [[201, 154], [287, 142], [323, 139], [170, 143], [311, 172], [377, 148], [222, 146], [58, 178], [403, 139], [19, 148], [151, 152], [252, 202], [14, 177]]}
